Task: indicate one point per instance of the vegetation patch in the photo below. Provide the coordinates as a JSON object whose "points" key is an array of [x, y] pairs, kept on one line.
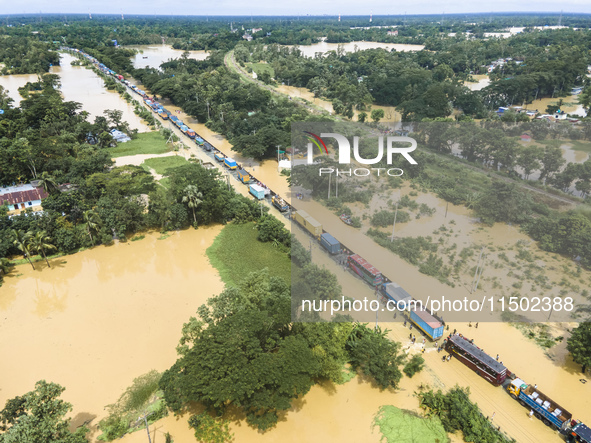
{"points": [[236, 252], [403, 426], [458, 413], [142, 398], [144, 143], [162, 164]]}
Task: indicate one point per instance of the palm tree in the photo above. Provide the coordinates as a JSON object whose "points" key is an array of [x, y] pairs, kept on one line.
{"points": [[192, 198], [47, 182], [92, 222], [40, 242], [4, 267], [21, 240]]}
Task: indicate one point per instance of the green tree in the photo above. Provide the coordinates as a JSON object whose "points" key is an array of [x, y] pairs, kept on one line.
{"points": [[243, 355], [377, 114], [92, 222], [41, 242], [209, 429], [579, 345], [192, 197], [416, 364], [503, 202], [371, 352], [552, 161], [47, 182], [40, 416], [585, 98], [4, 267], [21, 240], [362, 116], [529, 160]]}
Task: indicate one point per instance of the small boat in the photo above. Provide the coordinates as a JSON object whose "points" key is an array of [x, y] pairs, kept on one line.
{"points": [[145, 56], [347, 219]]}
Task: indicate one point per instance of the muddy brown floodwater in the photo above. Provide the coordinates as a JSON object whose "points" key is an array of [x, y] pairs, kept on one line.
{"points": [[323, 47], [154, 55], [100, 318], [80, 85]]}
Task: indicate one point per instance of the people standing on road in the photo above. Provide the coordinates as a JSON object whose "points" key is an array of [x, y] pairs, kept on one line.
{"points": [[476, 325], [497, 357], [531, 413]]}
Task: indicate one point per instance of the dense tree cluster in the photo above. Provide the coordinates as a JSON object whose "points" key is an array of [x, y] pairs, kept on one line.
{"points": [[39, 416], [47, 140], [254, 121], [26, 55], [244, 351], [458, 413], [579, 345]]}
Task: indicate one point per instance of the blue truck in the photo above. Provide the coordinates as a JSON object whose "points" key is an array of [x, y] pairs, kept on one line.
{"points": [[426, 322], [257, 191], [395, 293], [230, 163], [579, 433], [543, 407], [330, 243]]}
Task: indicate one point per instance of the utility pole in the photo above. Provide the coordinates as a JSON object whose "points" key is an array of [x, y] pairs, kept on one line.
{"points": [[394, 226], [147, 428], [336, 182], [329, 175], [446, 206]]}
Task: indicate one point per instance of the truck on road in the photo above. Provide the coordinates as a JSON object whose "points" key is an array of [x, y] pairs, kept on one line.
{"points": [[230, 163], [243, 176], [426, 323], [279, 203], [398, 295], [330, 243], [544, 408], [257, 191]]}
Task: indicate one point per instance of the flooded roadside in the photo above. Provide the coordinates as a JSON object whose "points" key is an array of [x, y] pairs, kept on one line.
{"points": [[81, 85], [154, 55], [99, 318], [323, 47]]}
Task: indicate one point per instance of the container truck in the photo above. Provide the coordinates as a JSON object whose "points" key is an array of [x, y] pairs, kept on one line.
{"points": [[394, 292], [219, 156], [199, 141], [191, 133], [330, 243], [279, 203], [230, 163], [243, 176], [310, 224], [426, 322], [257, 191], [545, 409], [184, 129]]}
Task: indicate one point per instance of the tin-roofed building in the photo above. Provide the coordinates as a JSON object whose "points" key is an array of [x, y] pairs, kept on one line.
{"points": [[21, 197]]}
